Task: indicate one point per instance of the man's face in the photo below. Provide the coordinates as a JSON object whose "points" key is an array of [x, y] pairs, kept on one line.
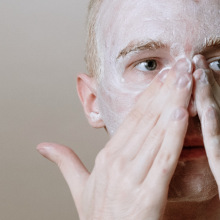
{"points": [[139, 38]]}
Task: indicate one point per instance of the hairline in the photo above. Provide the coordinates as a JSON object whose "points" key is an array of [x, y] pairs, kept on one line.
{"points": [[93, 62]]}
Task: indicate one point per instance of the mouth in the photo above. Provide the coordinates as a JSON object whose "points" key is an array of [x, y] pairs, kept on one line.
{"points": [[193, 147], [192, 152]]}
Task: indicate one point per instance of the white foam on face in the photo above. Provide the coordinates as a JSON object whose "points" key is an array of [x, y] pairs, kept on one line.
{"points": [[177, 51], [95, 116], [184, 31]]}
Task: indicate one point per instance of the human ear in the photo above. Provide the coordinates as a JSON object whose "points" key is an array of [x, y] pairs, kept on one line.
{"points": [[86, 88]]}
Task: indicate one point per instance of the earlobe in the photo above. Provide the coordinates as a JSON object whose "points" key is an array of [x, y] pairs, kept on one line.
{"points": [[86, 87]]}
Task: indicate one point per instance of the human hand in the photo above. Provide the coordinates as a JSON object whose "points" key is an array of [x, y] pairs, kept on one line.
{"points": [[131, 176], [207, 99]]}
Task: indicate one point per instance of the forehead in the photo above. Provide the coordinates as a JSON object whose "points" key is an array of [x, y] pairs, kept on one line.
{"points": [[172, 21]]}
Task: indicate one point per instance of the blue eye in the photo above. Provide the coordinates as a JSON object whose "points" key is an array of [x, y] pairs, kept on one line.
{"points": [[215, 65], [148, 65]]}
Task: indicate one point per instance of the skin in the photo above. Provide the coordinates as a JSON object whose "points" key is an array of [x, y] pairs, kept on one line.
{"points": [[145, 171]]}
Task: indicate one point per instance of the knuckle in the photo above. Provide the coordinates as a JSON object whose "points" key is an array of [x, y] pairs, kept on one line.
{"points": [[215, 149], [64, 156], [166, 162], [117, 165], [106, 158], [101, 158], [150, 115], [216, 156], [211, 124], [156, 135]]}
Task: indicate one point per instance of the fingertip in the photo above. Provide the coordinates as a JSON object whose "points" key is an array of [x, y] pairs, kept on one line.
{"points": [[42, 145], [56, 152], [48, 146], [183, 65], [40, 149], [200, 61], [46, 150], [73, 170]]}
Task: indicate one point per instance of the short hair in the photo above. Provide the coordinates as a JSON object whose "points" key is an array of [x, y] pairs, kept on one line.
{"points": [[92, 57]]}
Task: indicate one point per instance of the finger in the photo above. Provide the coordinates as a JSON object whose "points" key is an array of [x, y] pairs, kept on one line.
{"points": [[176, 91], [208, 110], [128, 127], [211, 136], [70, 166], [166, 160], [143, 160], [179, 77], [204, 96], [201, 63]]}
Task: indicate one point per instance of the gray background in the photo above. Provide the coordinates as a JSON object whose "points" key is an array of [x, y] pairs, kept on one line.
{"points": [[41, 52]]}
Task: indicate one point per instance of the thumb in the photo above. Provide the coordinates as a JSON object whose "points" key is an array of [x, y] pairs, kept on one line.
{"points": [[73, 170]]}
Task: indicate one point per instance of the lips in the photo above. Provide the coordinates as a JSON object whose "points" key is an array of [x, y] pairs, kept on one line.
{"points": [[193, 148], [193, 141], [192, 153]]}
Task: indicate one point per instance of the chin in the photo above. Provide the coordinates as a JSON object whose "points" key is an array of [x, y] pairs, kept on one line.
{"points": [[194, 197], [192, 182]]}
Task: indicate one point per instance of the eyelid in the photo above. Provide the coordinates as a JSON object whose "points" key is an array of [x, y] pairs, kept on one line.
{"points": [[213, 59], [159, 65], [162, 60], [144, 60]]}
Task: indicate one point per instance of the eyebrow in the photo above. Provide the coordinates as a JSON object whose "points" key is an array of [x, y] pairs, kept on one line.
{"points": [[139, 46], [211, 43]]}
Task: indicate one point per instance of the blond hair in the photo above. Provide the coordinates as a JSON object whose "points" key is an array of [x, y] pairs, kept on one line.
{"points": [[92, 58]]}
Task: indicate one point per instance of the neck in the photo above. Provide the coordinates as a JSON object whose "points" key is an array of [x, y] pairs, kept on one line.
{"points": [[193, 210]]}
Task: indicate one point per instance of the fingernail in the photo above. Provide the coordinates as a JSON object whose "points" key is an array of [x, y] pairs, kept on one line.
{"points": [[183, 66], [183, 81], [196, 58], [43, 149], [200, 62], [178, 114], [201, 76]]}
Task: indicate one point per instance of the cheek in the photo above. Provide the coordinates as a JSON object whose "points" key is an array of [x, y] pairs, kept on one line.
{"points": [[217, 78], [115, 102], [139, 78]]}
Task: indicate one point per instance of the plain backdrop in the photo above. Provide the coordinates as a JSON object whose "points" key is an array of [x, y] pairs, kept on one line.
{"points": [[41, 52]]}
